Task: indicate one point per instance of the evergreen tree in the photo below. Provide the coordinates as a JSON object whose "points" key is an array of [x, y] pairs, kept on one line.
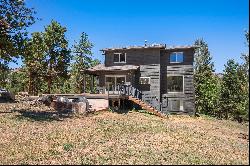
{"points": [[82, 60], [34, 60], [205, 82], [15, 17], [57, 55], [232, 98], [244, 76], [17, 80]]}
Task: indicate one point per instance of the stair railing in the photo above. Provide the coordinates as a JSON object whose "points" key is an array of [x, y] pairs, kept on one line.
{"points": [[129, 90]]}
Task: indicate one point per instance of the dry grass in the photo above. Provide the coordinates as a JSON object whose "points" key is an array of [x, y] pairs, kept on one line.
{"points": [[110, 138]]}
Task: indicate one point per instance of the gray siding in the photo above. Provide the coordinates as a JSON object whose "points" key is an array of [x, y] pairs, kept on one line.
{"points": [[149, 61], [188, 96], [134, 57], [151, 94], [155, 63]]}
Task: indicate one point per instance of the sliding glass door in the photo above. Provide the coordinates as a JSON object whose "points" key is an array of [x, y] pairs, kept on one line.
{"points": [[112, 82]]}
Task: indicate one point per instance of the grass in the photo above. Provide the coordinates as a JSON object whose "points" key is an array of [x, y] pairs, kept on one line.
{"points": [[111, 138]]}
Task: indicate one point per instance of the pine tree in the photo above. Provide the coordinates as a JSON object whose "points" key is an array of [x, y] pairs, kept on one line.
{"points": [[57, 55], [244, 76], [232, 98], [17, 80], [205, 82], [82, 60], [15, 17], [34, 60]]}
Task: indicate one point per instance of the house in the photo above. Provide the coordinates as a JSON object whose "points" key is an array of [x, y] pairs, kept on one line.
{"points": [[163, 75]]}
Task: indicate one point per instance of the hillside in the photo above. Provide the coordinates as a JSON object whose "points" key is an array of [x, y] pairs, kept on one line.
{"points": [[31, 137]]}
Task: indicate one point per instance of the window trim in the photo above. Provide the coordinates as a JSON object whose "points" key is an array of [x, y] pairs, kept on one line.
{"points": [[119, 53], [183, 83], [176, 57], [145, 84], [181, 104], [115, 76]]}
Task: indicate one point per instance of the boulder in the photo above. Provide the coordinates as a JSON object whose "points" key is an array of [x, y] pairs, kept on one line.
{"points": [[7, 96], [47, 100], [80, 108], [77, 105]]}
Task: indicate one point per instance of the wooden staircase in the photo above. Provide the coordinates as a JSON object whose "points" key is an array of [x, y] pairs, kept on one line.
{"points": [[146, 107]]}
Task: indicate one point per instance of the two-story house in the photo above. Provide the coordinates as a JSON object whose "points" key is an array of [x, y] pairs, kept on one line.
{"points": [[162, 74]]}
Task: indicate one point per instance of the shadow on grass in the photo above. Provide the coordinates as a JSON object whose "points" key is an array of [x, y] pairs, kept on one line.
{"points": [[41, 115], [6, 101], [119, 111]]}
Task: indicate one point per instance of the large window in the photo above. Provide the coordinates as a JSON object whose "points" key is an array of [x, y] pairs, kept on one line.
{"points": [[119, 57], [175, 84], [176, 57], [112, 81], [144, 80]]}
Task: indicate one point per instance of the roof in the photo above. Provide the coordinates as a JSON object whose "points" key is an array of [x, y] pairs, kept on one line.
{"points": [[135, 47], [101, 67], [180, 47], [160, 46]]}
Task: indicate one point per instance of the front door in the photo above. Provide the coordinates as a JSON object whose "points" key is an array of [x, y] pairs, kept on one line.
{"points": [[112, 82]]}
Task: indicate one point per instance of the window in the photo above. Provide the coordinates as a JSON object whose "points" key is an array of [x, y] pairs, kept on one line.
{"points": [[175, 84], [176, 57], [112, 81], [175, 105], [119, 57], [144, 80]]}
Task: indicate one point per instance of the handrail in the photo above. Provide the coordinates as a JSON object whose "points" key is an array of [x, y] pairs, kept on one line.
{"points": [[129, 90]]}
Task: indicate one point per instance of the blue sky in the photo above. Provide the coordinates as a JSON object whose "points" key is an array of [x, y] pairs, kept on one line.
{"points": [[173, 22]]}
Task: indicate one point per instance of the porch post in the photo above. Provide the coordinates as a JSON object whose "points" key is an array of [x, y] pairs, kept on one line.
{"points": [[92, 83]]}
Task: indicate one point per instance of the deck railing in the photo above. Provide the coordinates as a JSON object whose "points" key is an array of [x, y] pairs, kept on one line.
{"points": [[129, 90]]}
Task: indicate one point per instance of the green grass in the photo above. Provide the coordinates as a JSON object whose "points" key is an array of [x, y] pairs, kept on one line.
{"points": [[112, 138]]}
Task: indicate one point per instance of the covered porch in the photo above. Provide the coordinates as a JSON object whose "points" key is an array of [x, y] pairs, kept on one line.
{"points": [[109, 79]]}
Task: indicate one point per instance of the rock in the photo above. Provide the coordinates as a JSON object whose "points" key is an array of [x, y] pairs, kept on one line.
{"points": [[47, 100], [62, 99], [78, 105], [7, 96], [80, 108]]}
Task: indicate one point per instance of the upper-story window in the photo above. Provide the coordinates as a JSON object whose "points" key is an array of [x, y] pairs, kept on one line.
{"points": [[119, 57], [176, 57]]}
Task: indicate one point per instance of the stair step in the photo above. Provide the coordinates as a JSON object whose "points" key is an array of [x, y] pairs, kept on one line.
{"points": [[146, 106]]}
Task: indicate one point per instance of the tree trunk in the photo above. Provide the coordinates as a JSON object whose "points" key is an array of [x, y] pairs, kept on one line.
{"points": [[226, 114], [49, 85], [49, 76], [31, 82], [84, 84]]}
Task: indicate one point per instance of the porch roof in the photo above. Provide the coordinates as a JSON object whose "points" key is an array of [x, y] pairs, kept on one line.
{"points": [[102, 67]]}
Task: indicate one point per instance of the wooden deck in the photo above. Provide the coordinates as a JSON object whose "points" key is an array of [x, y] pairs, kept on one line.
{"points": [[91, 96]]}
